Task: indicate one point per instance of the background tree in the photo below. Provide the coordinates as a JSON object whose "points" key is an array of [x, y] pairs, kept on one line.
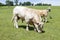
{"points": [[16, 2], [32, 4], [20, 3], [27, 4], [39, 4], [9, 3], [46, 4]]}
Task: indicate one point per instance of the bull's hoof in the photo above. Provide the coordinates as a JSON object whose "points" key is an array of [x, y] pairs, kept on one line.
{"points": [[35, 30], [27, 30], [41, 32], [17, 27]]}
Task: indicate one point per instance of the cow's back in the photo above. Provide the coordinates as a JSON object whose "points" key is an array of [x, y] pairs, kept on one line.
{"points": [[19, 10]]}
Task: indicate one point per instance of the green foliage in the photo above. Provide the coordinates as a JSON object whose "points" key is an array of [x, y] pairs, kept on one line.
{"points": [[16, 2], [20, 3], [40, 4], [46, 4], [26, 3], [9, 32], [9, 3]]}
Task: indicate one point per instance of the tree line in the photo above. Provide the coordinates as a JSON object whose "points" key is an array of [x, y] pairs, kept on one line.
{"points": [[11, 3]]}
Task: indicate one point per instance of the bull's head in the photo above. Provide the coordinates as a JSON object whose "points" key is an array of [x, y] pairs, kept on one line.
{"points": [[40, 26]]}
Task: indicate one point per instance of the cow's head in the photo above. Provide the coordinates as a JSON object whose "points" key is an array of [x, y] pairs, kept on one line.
{"points": [[40, 26]]}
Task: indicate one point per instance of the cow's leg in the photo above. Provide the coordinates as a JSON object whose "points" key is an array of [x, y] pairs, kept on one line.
{"points": [[41, 24], [37, 28], [16, 22], [27, 27], [45, 19], [34, 28], [27, 21], [41, 27]]}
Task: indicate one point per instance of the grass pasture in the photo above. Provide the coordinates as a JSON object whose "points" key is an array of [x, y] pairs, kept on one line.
{"points": [[9, 32]]}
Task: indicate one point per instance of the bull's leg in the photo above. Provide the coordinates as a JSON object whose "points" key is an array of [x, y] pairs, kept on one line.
{"points": [[16, 22], [34, 28], [37, 28], [41, 24], [27, 21], [45, 19], [41, 27], [27, 27]]}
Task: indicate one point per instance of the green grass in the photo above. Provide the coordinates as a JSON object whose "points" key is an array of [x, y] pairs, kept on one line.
{"points": [[9, 32]]}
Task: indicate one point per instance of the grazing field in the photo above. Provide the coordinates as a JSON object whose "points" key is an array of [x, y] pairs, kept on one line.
{"points": [[9, 32]]}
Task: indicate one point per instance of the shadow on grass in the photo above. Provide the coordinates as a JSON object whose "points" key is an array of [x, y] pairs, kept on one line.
{"points": [[48, 22], [24, 26], [30, 28]]}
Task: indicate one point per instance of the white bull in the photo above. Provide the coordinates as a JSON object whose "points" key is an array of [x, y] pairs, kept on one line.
{"points": [[41, 13], [29, 16]]}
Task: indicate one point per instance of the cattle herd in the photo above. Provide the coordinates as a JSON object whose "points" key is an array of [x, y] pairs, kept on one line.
{"points": [[31, 17]]}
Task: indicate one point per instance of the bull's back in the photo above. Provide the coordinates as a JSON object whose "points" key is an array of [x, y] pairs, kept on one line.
{"points": [[19, 10]]}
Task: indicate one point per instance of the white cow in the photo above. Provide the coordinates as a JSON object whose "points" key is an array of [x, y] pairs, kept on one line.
{"points": [[42, 13], [29, 16]]}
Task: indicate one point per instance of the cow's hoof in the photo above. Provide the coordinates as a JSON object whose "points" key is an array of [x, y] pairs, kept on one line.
{"points": [[35, 30], [17, 27], [27, 30], [39, 31]]}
